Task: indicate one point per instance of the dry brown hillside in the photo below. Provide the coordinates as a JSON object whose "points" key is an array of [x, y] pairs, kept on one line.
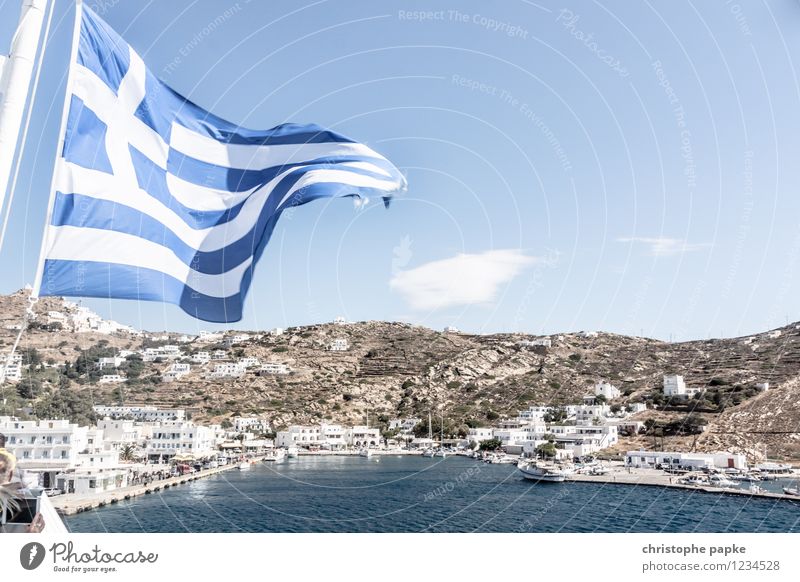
{"points": [[396, 369]]}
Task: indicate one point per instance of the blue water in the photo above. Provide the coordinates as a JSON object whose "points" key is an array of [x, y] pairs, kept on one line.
{"points": [[409, 494]]}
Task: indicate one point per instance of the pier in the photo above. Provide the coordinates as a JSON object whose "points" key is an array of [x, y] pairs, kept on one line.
{"points": [[653, 478], [71, 504]]}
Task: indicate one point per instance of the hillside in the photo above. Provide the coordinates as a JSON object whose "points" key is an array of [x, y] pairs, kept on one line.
{"points": [[396, 369]]}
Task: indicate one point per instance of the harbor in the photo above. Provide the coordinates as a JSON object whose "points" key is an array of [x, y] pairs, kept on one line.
{"points": [[349, 493], [615, 473]]}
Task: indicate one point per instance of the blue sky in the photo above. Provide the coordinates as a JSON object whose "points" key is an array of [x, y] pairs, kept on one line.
{"points": [[628, 167]]}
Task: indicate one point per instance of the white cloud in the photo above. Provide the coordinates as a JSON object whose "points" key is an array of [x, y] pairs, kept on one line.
{"points": [[664, 246], [460, 280]]}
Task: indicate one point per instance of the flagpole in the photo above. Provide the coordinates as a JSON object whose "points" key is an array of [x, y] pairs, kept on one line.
{"points": [[59, 147], [11, 190], [15, 84]]}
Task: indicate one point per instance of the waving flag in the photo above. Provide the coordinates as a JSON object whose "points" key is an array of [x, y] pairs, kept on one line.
{"points": [[156, 199]]}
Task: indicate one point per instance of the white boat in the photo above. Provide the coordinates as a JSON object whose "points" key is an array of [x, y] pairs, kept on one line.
{"points": [[720, 481], [365, 452], [428, 453], [793, 491], [292, 452], [244, 466], [543, 472], [502, 460], [694, 480], [440, 453], [275, 455]]}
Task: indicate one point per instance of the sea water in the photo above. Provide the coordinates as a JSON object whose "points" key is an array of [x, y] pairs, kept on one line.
{"points": [[413, 494]]}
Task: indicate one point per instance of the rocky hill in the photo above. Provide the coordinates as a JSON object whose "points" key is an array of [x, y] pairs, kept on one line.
{"points": [[396, 369]]}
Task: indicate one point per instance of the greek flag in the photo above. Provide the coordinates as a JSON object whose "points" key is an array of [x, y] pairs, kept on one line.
{"points": [[156, 199]]}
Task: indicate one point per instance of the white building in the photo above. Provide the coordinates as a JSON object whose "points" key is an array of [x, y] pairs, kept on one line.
{"points": [[480, 434], [201, 358], [404, 425], [239, 338], [584, 440], [686, 460], [111, 379], [140, 413], [48, 447], [11, 372], [273, 368], [451, 329], [299, 435], [609, 391], [276, 331], [763, 386], [176, 437], [117, 433], [588, 413], [636, 407], [227, 371], [175, 372], [92, 482], [113, 362], [538, 342], [339, 320], [674, 386], [250, 362], [252, 424], [362, 436], [209, 336], [534, 413], [219, 355], [332, 436], [339, 345], [44, 443]]}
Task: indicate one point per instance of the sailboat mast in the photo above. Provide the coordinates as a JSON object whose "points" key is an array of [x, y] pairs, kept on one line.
{"points": [[430, 426], [17, 71]]}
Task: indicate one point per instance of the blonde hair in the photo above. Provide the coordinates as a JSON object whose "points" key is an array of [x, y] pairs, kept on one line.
{"points": [[8, 462]]}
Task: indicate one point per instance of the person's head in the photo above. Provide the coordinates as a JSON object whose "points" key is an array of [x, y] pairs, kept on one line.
{"points": [[2, 440], [7, 465]]}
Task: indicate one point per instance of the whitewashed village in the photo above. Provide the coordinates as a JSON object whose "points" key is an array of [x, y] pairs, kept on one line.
{"points": [[134, 449]]}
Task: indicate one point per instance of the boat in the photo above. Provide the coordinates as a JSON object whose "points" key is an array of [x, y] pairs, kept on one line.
{"points": [[244, 466], [694, 480], [365, 452], [720, 481], [428, 453], [275, 455], [756, 489], [292, 452], [793, 491], [543, 472], [440, 453], [502, 460]]}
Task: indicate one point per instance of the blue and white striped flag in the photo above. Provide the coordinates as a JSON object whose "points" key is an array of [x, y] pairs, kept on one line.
{"points": [[156, 199]]}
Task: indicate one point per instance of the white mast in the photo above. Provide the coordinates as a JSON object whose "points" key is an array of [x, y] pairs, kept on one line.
{"points": [[15, 83]]}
